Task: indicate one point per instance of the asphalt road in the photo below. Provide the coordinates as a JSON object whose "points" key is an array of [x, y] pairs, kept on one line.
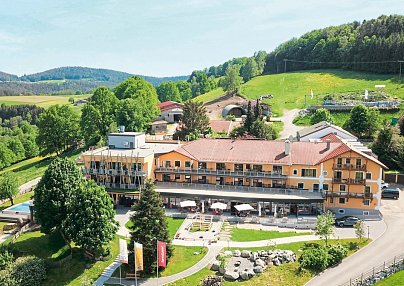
{"points": [[388, 245]]}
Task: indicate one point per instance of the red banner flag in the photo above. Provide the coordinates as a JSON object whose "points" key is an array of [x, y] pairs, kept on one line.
{"points": [[161, 254]]}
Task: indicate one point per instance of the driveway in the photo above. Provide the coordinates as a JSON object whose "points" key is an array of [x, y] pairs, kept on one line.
{"points": [[384, 248], [289, 128]]}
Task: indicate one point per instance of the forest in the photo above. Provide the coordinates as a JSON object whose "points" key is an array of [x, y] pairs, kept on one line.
{"points": [[372, 46]]}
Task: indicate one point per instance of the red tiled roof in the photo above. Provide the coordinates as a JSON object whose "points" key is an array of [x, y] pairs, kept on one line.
{"points": [[333, 138], [258, 151], [167, 105], [223, 126]]}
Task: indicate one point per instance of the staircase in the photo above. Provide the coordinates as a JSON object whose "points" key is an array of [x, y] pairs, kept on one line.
{"points": [[107, 273], [225, 234]]}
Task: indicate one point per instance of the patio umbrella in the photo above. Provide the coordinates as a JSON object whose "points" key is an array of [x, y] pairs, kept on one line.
{"points": [[243, 207], [186, 204], [220, 206]]}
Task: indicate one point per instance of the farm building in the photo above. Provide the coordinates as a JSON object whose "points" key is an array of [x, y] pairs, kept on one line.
{"points": [[171, 111]]}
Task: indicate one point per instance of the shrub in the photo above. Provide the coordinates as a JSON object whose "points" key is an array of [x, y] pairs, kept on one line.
{"points": [[230, 117], [314, 258], [6, 258], [28, 271], [336, 253]]}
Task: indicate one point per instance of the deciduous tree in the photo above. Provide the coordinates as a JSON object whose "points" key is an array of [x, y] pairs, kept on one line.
{"points": [[195, 120], [321, 114], [232, 80], [249, 70], [325, 226], [8, 186]]}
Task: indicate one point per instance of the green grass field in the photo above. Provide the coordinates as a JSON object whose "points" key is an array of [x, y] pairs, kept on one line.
{"points": [[40, 100], [173, 225], [286, 274], [240, 234], [289, 89], [30, 169]]}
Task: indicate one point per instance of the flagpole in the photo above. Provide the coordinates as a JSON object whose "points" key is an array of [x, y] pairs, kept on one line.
{"points": [[157, 246]]}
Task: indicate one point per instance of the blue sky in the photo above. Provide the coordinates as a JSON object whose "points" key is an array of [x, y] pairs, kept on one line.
{"points": [[161, 37]]}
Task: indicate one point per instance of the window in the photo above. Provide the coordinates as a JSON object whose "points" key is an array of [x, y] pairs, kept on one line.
{"points": [[257, 168], [220, 166], [277, 169], [366, 202], [348, 161], [295, 172], [187, 164], [325, 187], [247, 166], [238, 167], [177, 164], [341, 201], [300, 185], [167, 164], [309, 172], [358, 162], [359, 175], [325, 173], [368, 176], [316, 187], [331, 200], [339, 161], [202, 165], [341, 211], [366, 213], [342, 188], [177, 177]]}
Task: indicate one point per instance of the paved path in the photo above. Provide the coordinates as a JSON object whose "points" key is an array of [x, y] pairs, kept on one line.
{"points": [[122, 216], [389, 244], [213, 251], [289, 128]]}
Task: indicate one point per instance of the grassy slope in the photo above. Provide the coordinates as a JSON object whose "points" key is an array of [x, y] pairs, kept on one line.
{"points": [[240, 234], [394, 280], [290, 89], [39, 100], [35, 167]]}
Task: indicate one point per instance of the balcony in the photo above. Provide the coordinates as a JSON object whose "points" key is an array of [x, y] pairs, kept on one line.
{"points": [[211, 172], [349, 181], [242, 189], [349, 195], [349, 167], [111, 172]]}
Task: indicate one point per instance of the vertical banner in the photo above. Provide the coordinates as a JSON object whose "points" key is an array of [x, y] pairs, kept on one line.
{"points": [[138, 256], [123, 251], [161, 254]]}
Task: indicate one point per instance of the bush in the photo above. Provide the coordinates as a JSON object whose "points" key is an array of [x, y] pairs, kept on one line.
{"points": [[6, 258], [231, 117], [28, 271], [336, 253], [314, 258]]}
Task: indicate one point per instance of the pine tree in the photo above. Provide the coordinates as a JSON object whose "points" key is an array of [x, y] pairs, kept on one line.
{"points": [[150, 225], [249, 119], [258, 110]]}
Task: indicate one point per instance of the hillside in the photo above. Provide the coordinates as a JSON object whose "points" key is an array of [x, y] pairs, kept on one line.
{"points": [[289, 89], [68, 80], [373, 46]]}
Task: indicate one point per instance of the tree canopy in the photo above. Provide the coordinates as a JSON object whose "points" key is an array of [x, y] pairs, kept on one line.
{"points": [[195, 121], [58, 129], [363, 121], [389, 147], [149, 225], [8, 186], [250, 69], [321, 114], [232, 80]]}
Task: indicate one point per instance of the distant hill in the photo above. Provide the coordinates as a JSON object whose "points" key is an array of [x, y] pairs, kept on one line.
{"points": [[65, 80]]}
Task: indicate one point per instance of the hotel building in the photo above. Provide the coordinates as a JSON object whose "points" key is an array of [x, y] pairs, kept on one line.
{"points": [[276, 177]]}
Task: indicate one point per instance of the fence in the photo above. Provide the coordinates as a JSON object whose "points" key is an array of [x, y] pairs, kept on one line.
{"points": [[378, 273], [394, 178]]}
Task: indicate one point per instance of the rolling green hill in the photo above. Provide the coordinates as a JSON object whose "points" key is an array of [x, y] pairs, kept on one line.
{"points": [[289, 89]]}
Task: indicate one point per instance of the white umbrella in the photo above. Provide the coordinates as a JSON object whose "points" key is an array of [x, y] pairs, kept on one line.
{"points": [[186, 204], [243, 207], [220, 206]]}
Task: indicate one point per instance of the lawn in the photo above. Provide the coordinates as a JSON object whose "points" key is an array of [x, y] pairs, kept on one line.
{"points": [[396, 279], [39, 100], [289, 89], [173, 225], [241, 234], [30, 169], [211, 95], [183, 258], [51, 246], [75, 272], [286, 274]]}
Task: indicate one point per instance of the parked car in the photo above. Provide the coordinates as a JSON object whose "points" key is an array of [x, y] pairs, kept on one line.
{"points": [[346, 221], [385, 185], [391, 194]]}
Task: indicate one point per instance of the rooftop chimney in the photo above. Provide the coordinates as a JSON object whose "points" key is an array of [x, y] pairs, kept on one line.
{"points": [[122, 129], [328, 141], [287, 147]]}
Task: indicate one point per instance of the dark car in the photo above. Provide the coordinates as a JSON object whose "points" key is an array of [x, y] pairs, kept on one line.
{"points": [[390, 194], [346, 221]]}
